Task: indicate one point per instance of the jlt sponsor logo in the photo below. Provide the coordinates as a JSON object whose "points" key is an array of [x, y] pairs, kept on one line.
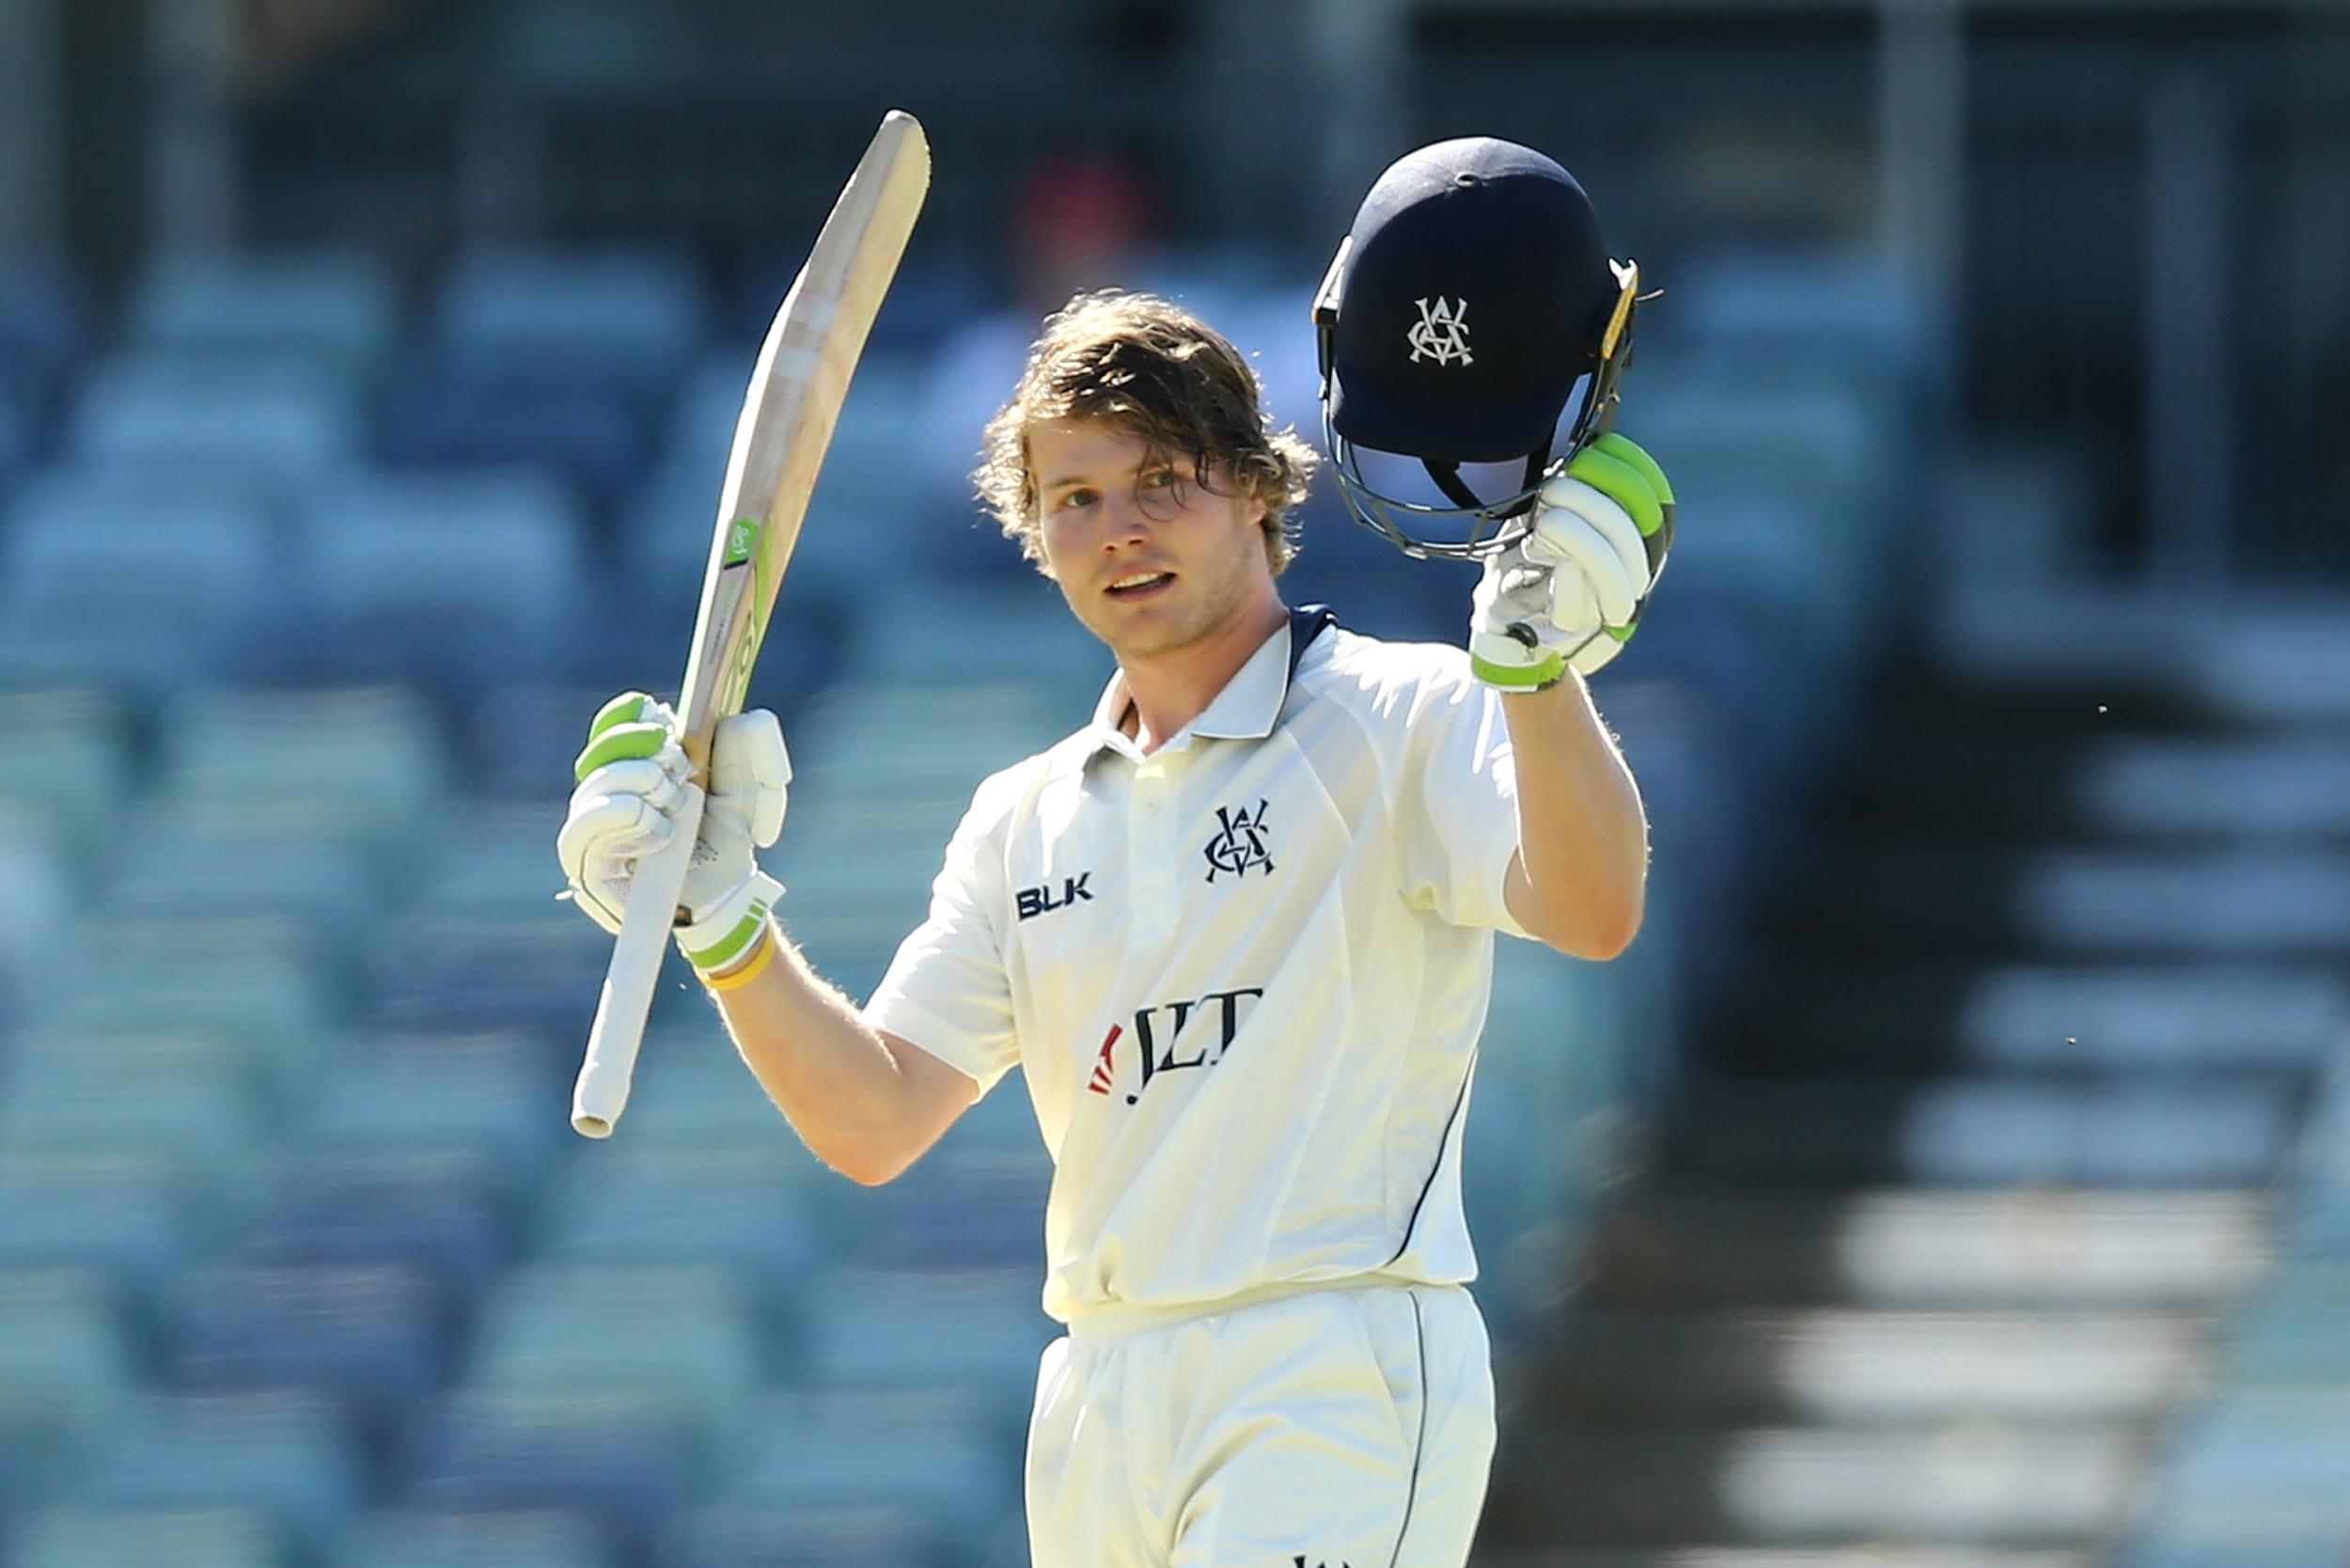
{"points": [[1040, 900], [1240, 841], [1300, 1561], [1170, 1036]]}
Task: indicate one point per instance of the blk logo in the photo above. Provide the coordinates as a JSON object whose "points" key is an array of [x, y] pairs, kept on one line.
{"points": [[1040, 900], [1441, 333], [1170, 1036], [1240, 843], [1300, 1560]]}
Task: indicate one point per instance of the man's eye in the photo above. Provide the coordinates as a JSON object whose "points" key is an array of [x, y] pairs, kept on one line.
{"points": [[1159, 479], [1076, 499]]}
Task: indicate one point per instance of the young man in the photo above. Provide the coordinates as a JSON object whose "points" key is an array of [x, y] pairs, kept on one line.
{"points": [[1249, 1045]]}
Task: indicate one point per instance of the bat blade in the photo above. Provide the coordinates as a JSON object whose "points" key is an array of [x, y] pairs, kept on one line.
{"points": [[798, 387]]}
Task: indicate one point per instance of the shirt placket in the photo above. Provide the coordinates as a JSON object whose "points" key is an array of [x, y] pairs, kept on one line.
{"points": [[1155, 862]]}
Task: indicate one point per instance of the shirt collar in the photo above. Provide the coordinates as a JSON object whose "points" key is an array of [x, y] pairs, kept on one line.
{"points": [[1247, 708]]}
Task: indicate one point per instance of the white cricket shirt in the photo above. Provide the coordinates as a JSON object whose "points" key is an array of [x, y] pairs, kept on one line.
{"points": [[1244, 975]]}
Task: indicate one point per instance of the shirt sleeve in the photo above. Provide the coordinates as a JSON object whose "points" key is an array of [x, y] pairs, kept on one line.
{"points": [[1457, 803], [947, 991]]}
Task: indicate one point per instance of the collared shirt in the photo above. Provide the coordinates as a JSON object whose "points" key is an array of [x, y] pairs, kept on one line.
{"points": [[1244, 975]]}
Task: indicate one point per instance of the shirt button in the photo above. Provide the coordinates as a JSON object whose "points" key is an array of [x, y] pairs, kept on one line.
{"points": [[1150, 806]]}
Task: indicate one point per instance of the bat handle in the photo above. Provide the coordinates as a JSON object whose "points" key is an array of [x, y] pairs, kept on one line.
{"points": [[626, 1000]]}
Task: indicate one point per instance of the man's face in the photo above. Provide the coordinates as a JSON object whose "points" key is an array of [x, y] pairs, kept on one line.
{"points": [[1151, 559]]}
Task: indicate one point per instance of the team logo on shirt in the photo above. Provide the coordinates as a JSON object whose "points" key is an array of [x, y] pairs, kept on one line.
{"points": [[1300, 1560], [1170, 1036], [1239, 843]]}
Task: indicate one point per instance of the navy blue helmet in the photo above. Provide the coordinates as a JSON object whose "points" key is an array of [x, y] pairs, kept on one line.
{"points": [[1469, 302]]}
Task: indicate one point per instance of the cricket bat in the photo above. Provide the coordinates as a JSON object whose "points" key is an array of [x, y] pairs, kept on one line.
{"points": [[803, 373]]}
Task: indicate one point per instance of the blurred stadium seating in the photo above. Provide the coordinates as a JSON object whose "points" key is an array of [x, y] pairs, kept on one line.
{"points": [[298, 1265]]}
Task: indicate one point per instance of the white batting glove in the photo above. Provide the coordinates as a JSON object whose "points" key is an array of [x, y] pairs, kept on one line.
{"points": [[633, 778], [1572, 591]]}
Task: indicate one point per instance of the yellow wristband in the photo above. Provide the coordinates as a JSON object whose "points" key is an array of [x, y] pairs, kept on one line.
{"points": [[743, 973]]}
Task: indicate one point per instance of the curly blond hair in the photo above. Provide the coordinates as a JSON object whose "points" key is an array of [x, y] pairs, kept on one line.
{"points": [[1151, 368]]}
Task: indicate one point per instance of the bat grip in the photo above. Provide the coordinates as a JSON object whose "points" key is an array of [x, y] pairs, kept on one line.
{"points": [[626, 999]]}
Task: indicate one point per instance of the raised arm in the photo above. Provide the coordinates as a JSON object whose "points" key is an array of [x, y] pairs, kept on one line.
{"points": [[1552, 608], [867, 1102], [1579, 879]]}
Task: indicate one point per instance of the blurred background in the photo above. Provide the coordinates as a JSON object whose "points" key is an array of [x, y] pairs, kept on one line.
{"points": [[1953, 1175]]}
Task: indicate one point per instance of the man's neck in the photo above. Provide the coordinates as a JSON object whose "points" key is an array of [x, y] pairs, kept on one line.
{"points": [[1169, 690]]}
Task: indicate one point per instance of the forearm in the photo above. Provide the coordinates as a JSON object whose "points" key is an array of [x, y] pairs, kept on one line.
{"points": [[835, 1077], [1582, 832]]}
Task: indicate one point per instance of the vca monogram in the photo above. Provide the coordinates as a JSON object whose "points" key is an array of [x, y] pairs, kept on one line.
{"points": [[1239, 843]]}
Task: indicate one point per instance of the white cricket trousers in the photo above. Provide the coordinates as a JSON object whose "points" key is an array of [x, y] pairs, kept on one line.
{"points": [[1347, 1426]]}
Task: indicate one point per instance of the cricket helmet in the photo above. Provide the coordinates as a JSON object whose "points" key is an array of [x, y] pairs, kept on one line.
{"points": [[1469, 302]]}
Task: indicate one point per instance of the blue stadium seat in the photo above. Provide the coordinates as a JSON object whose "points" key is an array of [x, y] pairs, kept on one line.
{"points": [[460, 579], [466, 971], [2201, 1135], [44, 328], [749, 1536], [125, 1217], [2155, 1019], [692, 1092], [1002, 1125], [2289, 1334], [428, 1538], [632, 319], [609, 1458], [862, 507], [978, 1331], [492, 1094], [951, 1465], [284, 419], [436, 414], [930, 296], [521, 740], [1555, 1060], [147, 579], [38, 895], [738, 1207], [374, 1337], [441, 1213], [162, 1053], [498, 860], [1834, 314], [202, 1124], [1016, 639], [82, 734], [286, 1456], [306, 861], [255, 977], [374, 749], [17, 437], [67, 1365], [664, 558], [2256, 1474], [681, 1343], [548, 357], [963, 1206], [199, 1537], [335, 307]]}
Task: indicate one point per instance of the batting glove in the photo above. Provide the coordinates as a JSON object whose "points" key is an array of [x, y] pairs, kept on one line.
{"points": [[633, 778], [1571, 592]]}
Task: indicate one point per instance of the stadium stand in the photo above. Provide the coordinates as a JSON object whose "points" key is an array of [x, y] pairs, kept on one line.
{"points": [[322, 1280]]}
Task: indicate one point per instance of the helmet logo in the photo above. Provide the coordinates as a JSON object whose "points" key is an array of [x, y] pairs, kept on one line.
{"points": [[1441, 333]]}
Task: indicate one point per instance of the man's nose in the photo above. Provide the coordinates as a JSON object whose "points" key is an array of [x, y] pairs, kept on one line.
{"points": [[1123, 521]]}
